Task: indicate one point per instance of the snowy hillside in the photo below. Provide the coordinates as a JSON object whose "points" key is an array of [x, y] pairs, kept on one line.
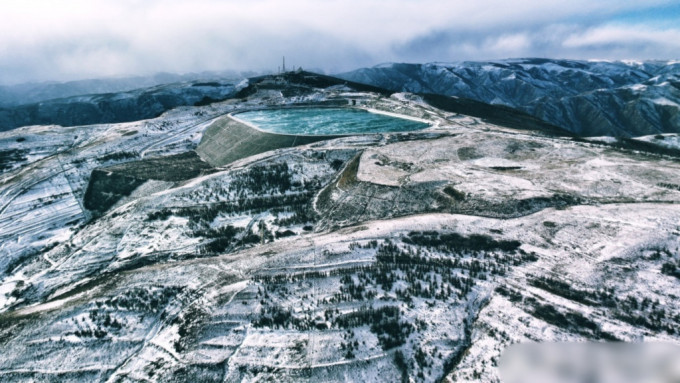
{"points": [[130, 105], [589, 98], [192, 247]]}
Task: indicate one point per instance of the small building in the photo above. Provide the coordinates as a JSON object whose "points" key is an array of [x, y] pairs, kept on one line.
{"points": [[355, 100]]}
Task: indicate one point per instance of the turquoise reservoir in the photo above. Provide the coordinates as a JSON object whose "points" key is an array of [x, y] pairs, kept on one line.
{"points": [[327, 121]]}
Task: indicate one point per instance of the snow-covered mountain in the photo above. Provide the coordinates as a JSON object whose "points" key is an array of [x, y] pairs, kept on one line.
{"points": [[31, 93], [588, 98], [191, 247], [117, 106]]}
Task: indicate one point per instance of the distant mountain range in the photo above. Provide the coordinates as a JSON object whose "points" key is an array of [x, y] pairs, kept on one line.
{"points": [[585, 98], [110, 100], [113, 107], [588, 98]]}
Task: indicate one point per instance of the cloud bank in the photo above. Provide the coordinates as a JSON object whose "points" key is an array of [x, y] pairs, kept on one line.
{"points": [[74, 39]]}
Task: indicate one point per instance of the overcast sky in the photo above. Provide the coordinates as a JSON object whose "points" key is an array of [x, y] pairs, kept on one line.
{"points": [[75, 39]]}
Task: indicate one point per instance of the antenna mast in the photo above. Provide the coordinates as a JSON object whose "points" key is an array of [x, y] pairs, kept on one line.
{"points": [[284, 64]]}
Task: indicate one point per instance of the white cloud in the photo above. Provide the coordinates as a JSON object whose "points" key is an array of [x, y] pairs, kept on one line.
{"points": [[624, 35], [511, 43], [46, 39]]}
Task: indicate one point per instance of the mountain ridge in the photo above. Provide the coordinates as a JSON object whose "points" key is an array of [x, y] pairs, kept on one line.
{"points": [[588, 98]]}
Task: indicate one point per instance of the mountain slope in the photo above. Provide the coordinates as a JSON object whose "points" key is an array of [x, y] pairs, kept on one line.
{"points": [[31, 93], [588, 98], [417, 256], [125, 106]]}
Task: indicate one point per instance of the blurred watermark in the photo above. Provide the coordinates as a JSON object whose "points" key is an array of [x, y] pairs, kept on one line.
{"points": [[590, 362]]}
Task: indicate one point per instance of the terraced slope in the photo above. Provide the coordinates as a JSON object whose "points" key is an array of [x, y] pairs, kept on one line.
{"points": [[385, 257]]}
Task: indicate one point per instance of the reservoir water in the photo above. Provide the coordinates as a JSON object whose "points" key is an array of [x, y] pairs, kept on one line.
{"points": [[327, 121]]}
